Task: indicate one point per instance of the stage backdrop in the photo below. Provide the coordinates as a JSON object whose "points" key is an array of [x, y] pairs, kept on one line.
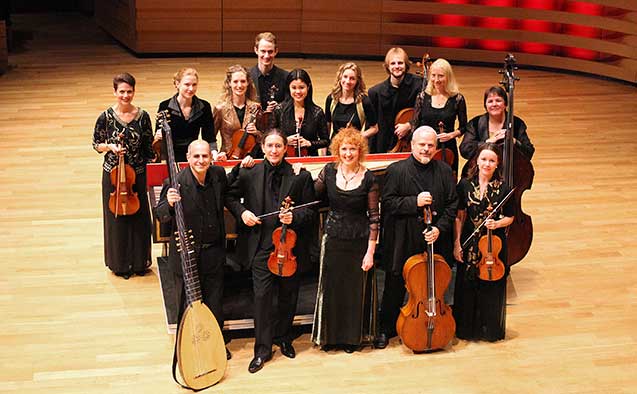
{"points": [[594, 36]]}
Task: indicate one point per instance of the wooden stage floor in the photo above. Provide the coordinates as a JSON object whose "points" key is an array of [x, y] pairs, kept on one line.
{"points": [[70, 326]]}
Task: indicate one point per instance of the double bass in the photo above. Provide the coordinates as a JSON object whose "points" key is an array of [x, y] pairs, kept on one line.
{"points": [[407, 114], [282, 262], [200, 350], [518, 174], [123, 200], [425, 323]]}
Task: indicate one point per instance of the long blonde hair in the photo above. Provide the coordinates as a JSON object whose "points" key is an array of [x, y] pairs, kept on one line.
{"points": [[226, 94], [452, 86], [360, 89]]}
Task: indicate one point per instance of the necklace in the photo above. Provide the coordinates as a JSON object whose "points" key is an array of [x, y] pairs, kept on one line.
{"points": [[351, 177]]}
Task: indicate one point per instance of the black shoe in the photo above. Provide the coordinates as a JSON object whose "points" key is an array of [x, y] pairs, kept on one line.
{"points": [[228, 354], [124, 275], [142, 272], [287, 349], [381, 341], [351, 348], [257, 363]]}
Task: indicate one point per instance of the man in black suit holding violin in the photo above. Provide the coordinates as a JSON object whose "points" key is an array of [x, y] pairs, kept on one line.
{"points": [[203, 194], [262, 189]]}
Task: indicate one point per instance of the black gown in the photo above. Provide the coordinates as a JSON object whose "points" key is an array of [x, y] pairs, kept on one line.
{"points": [[127, 239], [480, 306], [353, 220]]}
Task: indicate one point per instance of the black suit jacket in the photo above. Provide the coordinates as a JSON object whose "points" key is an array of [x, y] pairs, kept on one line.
{"points": [[248, 184], [192, 210], [386, 107]]}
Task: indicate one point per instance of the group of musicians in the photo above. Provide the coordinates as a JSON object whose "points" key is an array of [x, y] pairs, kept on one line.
{"points": [[276, 109]]}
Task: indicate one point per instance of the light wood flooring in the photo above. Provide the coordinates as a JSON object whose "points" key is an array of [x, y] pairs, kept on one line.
{"points": [[67, 325]]}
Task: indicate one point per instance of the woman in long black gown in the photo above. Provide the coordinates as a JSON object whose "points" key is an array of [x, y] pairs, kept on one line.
{"points": [[479, 305], [348, 245], [126, 237]]}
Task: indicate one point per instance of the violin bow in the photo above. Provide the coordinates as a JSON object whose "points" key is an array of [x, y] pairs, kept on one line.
{"points": [[479, 227], [307, 204]]}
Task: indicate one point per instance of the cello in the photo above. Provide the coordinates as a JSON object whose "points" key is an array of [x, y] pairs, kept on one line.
{"points": [[282, 262], [425, 323], [490, 267], [123, 200], [242, 141], [518, 174], [444, 154], [200, 350], [407, 114]]}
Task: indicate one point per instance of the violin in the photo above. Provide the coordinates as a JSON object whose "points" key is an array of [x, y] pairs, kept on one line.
{"points": [[518, 174], [490, 267], [156, 151], [407, 114], [297, 150], [267, 119], [444, 154], [425, 323], [242, 141], [123, 200], [282, 262]]}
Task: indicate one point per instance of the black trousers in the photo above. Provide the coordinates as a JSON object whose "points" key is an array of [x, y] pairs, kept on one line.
{"points": [[393, 296], [210, 268], [272, 323]]}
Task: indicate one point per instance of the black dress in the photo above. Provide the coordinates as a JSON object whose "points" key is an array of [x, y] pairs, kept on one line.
{"points": [[427, 115], [126, 238], [480, 306], [313, 126], [353, 220], [343, 114]]}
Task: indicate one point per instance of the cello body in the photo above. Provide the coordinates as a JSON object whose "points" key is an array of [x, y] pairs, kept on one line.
{"points": [[403, 144], [425, 323]]}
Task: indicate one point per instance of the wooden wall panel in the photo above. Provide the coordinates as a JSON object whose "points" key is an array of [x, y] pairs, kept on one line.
{"points": [[166, 26], [329, 28], [243, 20], [369, 27], [118, 19]]}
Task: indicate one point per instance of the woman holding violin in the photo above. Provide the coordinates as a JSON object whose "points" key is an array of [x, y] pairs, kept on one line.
{"points": [[349, 243], [440, 105], [480, 300], [490, 126], [189, 115], [237, 115], [348, 103], [124, 133], [302, 121]]}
